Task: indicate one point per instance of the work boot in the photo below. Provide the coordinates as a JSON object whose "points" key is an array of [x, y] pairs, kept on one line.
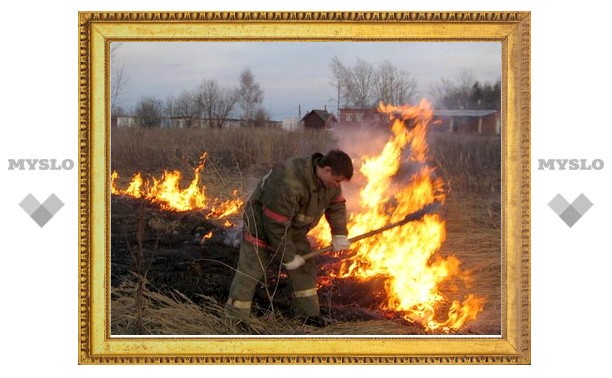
{"points": [[306, 303], [241, 310]]}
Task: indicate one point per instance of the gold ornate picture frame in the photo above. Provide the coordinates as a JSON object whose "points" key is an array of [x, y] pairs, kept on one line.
{"points": [[97, 30]]}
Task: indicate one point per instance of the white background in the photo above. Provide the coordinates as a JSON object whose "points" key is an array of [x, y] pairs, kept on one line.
{"points": [[570, 288]]}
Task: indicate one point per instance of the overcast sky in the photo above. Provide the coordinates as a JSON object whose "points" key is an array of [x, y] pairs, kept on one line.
{"points": [[291, 74]]}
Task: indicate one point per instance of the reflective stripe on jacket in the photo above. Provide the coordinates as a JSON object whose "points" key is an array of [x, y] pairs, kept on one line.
{"points": [[289, 201]]}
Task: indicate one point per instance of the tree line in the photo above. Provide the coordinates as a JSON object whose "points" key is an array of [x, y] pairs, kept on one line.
{"points": [[465, 92], [364, 85], [208, 101], [360, 85]]}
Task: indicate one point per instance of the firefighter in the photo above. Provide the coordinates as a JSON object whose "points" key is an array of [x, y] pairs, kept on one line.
{"points": [[288, 202]]}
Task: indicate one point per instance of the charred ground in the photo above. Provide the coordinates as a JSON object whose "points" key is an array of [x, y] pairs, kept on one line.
{"points": [[168, 252], [165, 252]]}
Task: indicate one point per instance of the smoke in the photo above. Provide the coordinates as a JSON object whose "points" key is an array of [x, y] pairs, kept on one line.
{"points": [[359, 141], [233, 235], [363, 141]]}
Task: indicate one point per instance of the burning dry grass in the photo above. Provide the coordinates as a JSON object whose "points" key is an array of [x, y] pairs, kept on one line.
{"points": [[470, 165], [474, 236], [138, 308]]}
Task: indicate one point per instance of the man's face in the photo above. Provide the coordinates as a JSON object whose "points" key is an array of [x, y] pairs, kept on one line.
{"points": [[328, 179]]}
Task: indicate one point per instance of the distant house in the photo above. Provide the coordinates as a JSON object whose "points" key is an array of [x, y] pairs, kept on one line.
{"points": [[271, 124], [318, 119], [177, 122], [290, 124], [228, 123], [366, 117], [485, 122], [123, 121]]}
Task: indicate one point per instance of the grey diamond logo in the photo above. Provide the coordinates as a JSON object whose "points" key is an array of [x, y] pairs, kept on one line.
{"points": [[570, 213], [41, 213]]}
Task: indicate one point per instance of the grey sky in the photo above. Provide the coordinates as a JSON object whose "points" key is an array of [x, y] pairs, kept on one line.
{"points": [[292, 74]]}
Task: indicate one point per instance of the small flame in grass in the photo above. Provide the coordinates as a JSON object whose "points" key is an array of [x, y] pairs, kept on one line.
{"points": [[167, 193], [206, 237]]}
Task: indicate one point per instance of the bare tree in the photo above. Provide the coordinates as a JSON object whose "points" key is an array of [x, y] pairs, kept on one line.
{"points": [[149, 112], [440, 90], [491, 95], [226, 104], [465, 80], [339, 75], [250, 95], [170, 109], [119, 78], [262, 116], [206, 96], [170, 106], [395, 86], [361, 84], [465, 92], [119, 111], [188, 107], [215, 103]]}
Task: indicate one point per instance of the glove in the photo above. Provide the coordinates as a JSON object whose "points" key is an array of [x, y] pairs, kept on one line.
{"points": [[297, 262], [340, 242]]}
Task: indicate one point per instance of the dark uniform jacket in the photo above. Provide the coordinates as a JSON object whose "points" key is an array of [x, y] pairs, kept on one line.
{"points": [[288, 202]]}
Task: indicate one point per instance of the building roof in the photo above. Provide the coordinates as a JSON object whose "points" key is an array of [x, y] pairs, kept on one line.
{"points": [[463, 113], [359, 109], [438, 112], [323, 114]]}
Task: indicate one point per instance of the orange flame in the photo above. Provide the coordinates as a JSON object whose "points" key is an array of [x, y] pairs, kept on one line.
{"points": [[167, 193], [206, 237], [404, 256]]}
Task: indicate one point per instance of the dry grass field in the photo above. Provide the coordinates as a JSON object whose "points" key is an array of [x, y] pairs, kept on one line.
{"points": [[162, 283]]}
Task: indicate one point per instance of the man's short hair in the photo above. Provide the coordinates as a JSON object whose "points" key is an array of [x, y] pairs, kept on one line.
{"points": [[339, 162]]}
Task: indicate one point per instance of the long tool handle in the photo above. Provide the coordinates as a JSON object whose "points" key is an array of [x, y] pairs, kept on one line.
{"points": [[409, 218]]}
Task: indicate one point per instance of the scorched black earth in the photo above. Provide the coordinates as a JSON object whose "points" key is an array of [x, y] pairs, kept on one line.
{"points": [[187, 253]]}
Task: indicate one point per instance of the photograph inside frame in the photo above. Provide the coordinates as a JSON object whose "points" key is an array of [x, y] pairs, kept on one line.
{"points": [[195, 126], [307, 188]]}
